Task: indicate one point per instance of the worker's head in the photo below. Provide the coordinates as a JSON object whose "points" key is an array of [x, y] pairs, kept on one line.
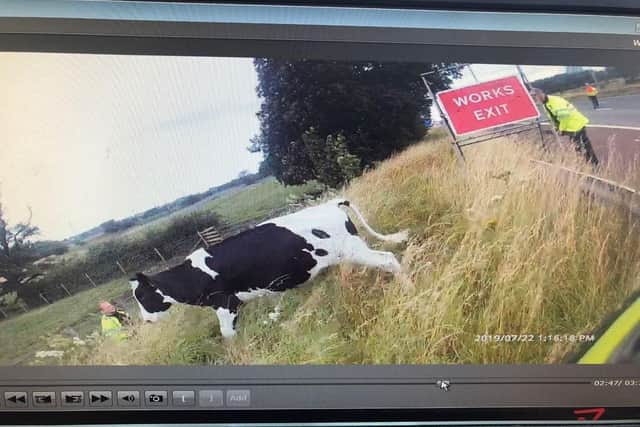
{"points": [[538, 94], [106, 307]]}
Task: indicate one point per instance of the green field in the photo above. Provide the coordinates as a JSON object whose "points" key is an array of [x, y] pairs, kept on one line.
{"points": [[258, 200], [23, 336]]}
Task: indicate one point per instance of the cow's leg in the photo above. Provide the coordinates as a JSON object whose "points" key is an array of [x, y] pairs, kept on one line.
{"points": [[227, 310], [355, 250]]}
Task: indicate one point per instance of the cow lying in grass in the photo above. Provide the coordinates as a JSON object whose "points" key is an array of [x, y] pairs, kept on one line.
{"points": [[274, 256]]}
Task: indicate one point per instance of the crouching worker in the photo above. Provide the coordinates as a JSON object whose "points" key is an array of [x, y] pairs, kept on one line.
{"points": [[113, 321], [568, 121]]}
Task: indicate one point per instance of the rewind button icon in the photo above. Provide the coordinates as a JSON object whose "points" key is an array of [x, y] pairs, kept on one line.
{"points": [[16, 399]]}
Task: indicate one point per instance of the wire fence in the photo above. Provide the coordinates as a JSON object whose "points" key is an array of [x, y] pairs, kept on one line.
{"points": [[149, 259]]}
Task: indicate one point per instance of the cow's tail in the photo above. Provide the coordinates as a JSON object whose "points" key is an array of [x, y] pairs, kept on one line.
{"points": [[398, 237]]}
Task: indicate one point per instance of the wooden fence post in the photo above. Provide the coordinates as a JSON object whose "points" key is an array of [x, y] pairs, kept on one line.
{"points": [[121, 267], [65, 289], [90, 279], [43, 298], [160, 255]]}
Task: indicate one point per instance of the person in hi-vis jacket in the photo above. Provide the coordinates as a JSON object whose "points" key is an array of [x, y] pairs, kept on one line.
{"points": [[592, 94], [113, 321], [568, 121]]}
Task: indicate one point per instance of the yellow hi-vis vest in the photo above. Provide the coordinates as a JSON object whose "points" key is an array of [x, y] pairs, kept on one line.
{"points": [[112, 328], [614, 337], [564, 115]]}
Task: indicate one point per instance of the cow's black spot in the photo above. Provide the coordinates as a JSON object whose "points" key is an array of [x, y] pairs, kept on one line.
{"points": [[321, 252], [267, 256], [351, 227], [320, 234]]}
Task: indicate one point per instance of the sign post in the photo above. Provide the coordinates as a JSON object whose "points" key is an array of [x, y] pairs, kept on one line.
{"points": [[456, 146]]}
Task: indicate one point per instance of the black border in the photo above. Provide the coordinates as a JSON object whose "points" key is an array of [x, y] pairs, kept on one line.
{"points": [[170, 46], [312, 416], [609, 7]]}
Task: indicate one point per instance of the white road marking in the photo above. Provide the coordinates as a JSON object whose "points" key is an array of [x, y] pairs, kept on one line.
{"points": [[613, 127], [602, 126], [604, 109]]}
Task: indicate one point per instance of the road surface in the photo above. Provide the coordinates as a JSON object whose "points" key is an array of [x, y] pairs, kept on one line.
{"points": [[614, 131], [617, 110]]}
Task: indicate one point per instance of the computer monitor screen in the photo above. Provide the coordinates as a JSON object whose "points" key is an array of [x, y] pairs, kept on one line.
{"points": [[281, 208], [181, 210]]}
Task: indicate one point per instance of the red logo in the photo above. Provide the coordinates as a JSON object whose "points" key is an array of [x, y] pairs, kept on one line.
{"points": [[595, 413], [487, 105]]}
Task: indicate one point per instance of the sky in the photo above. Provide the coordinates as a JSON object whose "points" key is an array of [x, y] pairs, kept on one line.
{"points": [[88, 138]]}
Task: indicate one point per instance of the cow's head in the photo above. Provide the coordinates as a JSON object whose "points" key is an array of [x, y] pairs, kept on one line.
{"points": [[152, 304]]}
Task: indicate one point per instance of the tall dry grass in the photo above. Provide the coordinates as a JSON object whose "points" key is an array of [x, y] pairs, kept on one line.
{"points": [[501, 246]]}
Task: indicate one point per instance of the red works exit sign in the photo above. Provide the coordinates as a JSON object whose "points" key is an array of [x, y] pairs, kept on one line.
{"points": [[487, 105]]}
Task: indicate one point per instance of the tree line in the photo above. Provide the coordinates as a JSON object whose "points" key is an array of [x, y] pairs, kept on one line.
{"points": [[330, 120]]}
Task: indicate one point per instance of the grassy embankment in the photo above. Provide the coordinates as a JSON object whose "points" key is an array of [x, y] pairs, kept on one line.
{"points": [[501, 247], [504, 247]]}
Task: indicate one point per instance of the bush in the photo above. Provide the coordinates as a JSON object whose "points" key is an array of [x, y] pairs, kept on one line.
{"points": [[333, 164], [9, 300]]}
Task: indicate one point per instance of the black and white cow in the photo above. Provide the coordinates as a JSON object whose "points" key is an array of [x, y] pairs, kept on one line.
{"points": [[274, 256]]}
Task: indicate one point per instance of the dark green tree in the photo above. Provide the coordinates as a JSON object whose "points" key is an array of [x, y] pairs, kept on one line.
{"points": [[377, 108], [16, 253]]}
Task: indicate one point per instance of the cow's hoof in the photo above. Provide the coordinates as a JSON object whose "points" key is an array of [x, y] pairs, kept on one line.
{"points": [[229, 334]]}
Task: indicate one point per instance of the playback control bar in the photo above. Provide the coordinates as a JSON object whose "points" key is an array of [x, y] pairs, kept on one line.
{"points": [[311, 394], [440, 401], [126, 399]]}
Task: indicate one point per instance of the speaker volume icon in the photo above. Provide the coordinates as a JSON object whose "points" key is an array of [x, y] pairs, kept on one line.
{"points": [[129, 398]]}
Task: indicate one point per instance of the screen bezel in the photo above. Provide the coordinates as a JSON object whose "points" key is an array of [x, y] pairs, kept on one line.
{"points": [[37, 30]]}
